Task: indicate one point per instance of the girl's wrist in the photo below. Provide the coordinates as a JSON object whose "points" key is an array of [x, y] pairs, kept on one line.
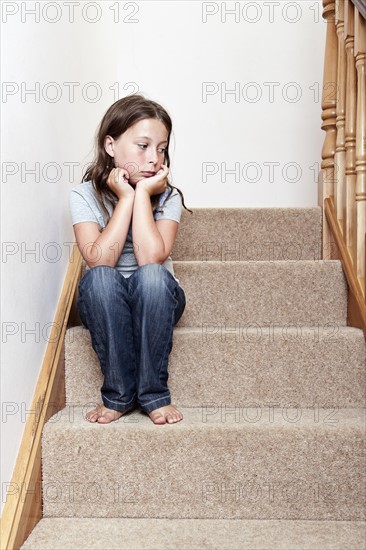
{"points": [[141, 189], [125, 199]]}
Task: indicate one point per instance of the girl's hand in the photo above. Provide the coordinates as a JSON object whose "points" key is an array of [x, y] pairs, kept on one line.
{"points": [[155, 184], [118, 182]]}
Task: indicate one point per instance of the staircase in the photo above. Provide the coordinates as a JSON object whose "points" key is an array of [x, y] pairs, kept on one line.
{"points": [[271, 382]]}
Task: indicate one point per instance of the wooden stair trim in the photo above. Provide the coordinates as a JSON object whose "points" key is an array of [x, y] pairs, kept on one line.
{"points": [[23, 506], [356, 302]]}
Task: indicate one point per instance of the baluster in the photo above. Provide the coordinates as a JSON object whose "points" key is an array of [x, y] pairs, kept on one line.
{"points": [[340, 154], [351, 101], [329, 101], [360, 53]]}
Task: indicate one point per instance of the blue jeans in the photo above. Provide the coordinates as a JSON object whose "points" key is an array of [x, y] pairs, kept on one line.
{"points": [[131, 326]]}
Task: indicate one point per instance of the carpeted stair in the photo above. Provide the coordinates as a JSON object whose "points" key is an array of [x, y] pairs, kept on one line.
{"points": [[271, 382]]}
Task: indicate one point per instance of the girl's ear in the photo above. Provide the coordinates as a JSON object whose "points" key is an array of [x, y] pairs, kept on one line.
{"points": [[109, 145]]}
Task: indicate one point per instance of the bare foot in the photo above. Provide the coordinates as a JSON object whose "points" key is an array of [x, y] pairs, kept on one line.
{"points": [[165, 414], [102, 415]]}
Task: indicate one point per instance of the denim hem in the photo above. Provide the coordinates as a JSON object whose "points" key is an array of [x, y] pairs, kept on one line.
{"points": [[156, 404], [117, 406]]}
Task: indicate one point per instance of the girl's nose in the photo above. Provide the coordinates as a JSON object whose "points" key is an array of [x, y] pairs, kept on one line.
{"points": [[153, 157]]}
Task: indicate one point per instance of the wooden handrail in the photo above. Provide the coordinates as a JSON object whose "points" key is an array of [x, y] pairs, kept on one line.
{"points": [[342, 181]]}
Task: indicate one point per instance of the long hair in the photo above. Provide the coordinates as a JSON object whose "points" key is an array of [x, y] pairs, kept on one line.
{"points": [[120, 116]]}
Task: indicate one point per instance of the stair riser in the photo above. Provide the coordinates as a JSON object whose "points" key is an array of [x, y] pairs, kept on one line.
{"points": [[212, 472], [306, 293], [249, 234], [226, 367]]}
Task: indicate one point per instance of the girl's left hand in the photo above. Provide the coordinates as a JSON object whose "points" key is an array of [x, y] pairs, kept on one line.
{"points": [[155, 184]]}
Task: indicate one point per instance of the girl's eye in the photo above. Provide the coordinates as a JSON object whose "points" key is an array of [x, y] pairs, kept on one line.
{"points": [[162, 150]]}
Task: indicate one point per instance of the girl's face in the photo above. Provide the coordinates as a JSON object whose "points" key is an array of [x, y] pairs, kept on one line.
{"points": [[140, 150]]}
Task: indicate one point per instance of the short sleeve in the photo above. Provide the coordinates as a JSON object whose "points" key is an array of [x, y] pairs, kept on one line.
{"points": [[80, 210], [171, 209]]}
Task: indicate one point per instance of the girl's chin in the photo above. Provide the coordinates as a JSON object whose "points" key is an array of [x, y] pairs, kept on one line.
{"points": [[136, 180]]}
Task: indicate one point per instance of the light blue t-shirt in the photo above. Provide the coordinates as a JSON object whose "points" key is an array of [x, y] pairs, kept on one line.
{"points": [[84, 207]]}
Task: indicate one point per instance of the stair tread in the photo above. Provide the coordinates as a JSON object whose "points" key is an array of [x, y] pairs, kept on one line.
{"points": [[307, 330], [209, 417], [256, 209], [195, 534], [263, 263]]}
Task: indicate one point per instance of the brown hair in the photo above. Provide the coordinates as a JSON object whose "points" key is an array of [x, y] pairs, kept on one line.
{"points": [[119, 117]]}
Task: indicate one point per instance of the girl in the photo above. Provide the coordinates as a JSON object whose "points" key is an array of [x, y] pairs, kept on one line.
{"points": [[129, 298]]}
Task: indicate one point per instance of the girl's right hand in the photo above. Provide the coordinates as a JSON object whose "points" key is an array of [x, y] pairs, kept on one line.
{"points": [[118, 182]]}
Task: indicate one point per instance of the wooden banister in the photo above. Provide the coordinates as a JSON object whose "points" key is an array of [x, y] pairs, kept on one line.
{"points": [[342, 182]]}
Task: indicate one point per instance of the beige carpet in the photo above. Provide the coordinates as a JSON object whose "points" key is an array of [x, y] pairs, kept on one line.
{"points": [[190, 534], [271, 450], [243, 364], [252, 463]]}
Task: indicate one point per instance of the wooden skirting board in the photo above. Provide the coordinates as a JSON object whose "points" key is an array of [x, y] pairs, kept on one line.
{"points": [[23, 506]]}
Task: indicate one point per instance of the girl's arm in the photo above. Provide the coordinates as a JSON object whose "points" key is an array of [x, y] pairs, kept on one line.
{"points": [[148, 244], [105, 248]]}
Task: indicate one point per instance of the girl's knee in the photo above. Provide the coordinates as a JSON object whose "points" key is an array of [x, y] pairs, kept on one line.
{"points": [[100, 279], [150, 272]]}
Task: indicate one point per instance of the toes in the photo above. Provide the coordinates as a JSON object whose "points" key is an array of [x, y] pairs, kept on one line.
{"points": [[102, 415], [157, 418], [164, 415], [172, 418], [109, 416], [103, 419], [92, 416]]}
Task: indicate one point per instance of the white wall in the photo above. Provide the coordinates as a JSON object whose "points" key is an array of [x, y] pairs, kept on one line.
{"points": [[168, 52]]}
